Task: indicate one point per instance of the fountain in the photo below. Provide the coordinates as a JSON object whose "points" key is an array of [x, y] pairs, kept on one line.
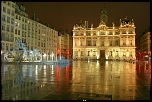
{"points": [[22, 54]]}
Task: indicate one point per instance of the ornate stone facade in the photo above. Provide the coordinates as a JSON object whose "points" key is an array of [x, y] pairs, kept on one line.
{"points": [[103, 42]]}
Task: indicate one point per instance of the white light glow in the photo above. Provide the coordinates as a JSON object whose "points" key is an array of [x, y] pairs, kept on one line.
{"points": [[44, 55], [97, 63], [97, 56], [106, 62], [106, 33], [106, 57]]}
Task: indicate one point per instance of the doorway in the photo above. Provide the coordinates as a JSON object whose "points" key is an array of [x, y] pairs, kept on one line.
{"points": [[102, 55]]}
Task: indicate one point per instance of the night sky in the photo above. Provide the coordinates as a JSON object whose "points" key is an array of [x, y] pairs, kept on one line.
{"points": [[64, 15]]}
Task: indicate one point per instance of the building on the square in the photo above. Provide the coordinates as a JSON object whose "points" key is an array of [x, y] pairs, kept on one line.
{"points": [[63, 44], [7, 25], [143, 43], [104, 42], [17, 24]]}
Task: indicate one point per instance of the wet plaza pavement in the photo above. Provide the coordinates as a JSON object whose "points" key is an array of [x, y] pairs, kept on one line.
{"points": [[81, 80]]}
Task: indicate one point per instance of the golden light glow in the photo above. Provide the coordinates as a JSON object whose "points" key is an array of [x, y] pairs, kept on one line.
{"points": [[98, 32], [106, 33], [106, 57]]}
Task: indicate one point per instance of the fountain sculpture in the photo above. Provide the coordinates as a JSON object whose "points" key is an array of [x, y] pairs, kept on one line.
{"points": [[21, 54]]}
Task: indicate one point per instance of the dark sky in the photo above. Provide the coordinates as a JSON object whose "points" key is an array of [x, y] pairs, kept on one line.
{"points": [[63, 15]]}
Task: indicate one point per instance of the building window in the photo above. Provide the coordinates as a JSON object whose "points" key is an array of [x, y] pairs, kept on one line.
{"points": [[7, 47], [2, 47], [3, 27], [116, 53], [18, 32], [8, 19], [4, 9], [9, 4], [102, 43], [76, 53], [22, 33], [12, 29], [3, 18], [7, 37], [15, 31], [110, 43], [110, 53], [12, 20], [88, 53], [12, 13], [23, 19], [15, 38], [13, 5], [89, 42], [131, 42], [11, 47], [124, 42], [19, 17], [81, 53], [23, 26], [41, 44], [16, 16], [8, 11], [8, 28], [116, 42], [3, 36]]}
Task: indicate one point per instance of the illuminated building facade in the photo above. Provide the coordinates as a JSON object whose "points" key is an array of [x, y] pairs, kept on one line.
{"points": [[17, 24], [63, 45], [143, 43], [7, 25], [103, 42]]}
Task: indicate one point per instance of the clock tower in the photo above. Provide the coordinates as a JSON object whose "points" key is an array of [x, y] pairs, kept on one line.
{"points": [[104, 15]]}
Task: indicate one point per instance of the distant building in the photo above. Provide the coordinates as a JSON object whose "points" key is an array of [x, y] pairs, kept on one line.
{"points": [[104, 42], [17, 24], [63, 45], [143, 43]]}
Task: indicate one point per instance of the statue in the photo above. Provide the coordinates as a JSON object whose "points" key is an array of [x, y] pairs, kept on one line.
{"points": [[30, 55], [113, 24], [5, 57], [25, 55]]}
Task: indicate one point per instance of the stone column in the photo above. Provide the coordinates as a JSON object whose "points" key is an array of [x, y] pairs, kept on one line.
{"points": [[127, 41], [73, 42]]}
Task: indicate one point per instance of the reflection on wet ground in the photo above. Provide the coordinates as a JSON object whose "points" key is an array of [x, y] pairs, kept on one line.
{"points": [[81, 80]]}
